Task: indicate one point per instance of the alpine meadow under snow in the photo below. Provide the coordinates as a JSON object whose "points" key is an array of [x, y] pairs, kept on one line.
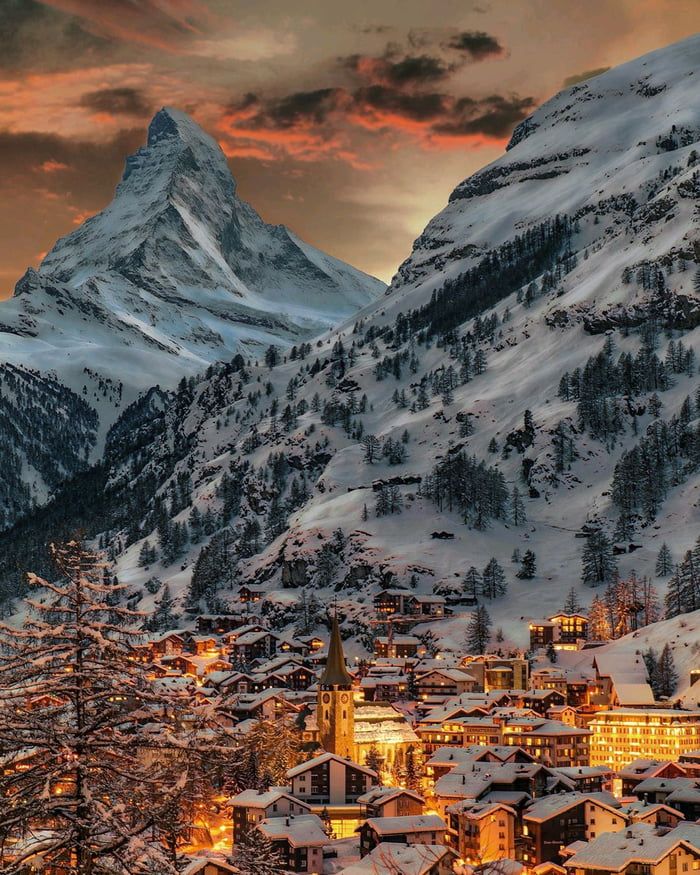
{"points": [[525, 391]]}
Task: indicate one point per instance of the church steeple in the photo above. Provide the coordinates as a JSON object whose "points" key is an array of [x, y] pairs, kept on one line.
{"points": [[335, 673], [335, 711]]}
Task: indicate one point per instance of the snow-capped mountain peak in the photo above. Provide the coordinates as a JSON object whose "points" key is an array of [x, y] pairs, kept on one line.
{"points": [[177, 268]]}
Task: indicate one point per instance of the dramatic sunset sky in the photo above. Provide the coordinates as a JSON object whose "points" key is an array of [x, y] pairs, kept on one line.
{"points": [[348, 121]]}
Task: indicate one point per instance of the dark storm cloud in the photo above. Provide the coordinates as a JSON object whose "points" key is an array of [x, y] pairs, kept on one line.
{"points": [[304, 107], [87, 170], [494, 116], [34, 36], [417, 69], [581, 77], [118, 101], [477, 44], [421, 107]]}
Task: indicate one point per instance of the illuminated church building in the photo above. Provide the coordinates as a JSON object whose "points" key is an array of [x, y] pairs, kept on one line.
{"points": [[351, 729], [335, 712]]}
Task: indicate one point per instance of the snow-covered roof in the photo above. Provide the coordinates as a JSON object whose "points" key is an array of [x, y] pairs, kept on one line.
{"points": [[634, 694], [641, 843], [325, 758], [256, 799], [301, 831], [385, 794], [545, 807], [388, 858], [405, 824]]}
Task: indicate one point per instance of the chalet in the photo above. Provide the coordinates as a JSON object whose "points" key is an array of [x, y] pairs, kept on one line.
{"points": [[391, 802], [423, 829], [656, 814], [641, 848], [330, 780], [298, 839], [250, 594], [398, 646], [588, 779], [498, 673], [201, 645], [391, 601], [642, 769], [384, 688], [167, 644], [251, 807], [219, 624], [476, 781], [549, 679], [444, 682], [391, 858], [621, 681], [181, 664], [563, 713], [424, 605], [267, 705], [540, 701], [482, 832], [445, 759], [690, 763], [292, 645], [253, 626], [250, 646], [554, 821]]}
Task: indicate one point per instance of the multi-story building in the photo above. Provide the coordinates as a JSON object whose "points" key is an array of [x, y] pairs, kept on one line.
{"points": [[422, 829], [622, 735], [251, 807], [641, 849], [482, 832], [553, 822], [563, 631], [298, 840]]}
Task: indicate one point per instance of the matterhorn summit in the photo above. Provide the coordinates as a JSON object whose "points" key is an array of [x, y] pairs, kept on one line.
{"points": [[176, 273]]}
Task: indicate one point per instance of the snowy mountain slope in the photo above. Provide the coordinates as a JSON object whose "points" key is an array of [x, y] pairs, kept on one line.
{"points": [[273, 458], [177, 272]]}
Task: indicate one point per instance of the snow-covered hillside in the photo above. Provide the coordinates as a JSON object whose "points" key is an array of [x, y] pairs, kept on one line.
{"points": [[538, 339], [177, 272]]}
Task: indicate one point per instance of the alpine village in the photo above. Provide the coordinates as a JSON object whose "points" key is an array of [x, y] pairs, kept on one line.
{"points": [[303, 573]]}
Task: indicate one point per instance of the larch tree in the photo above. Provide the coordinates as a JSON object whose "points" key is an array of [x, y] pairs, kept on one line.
{"points": [[75, 786]]}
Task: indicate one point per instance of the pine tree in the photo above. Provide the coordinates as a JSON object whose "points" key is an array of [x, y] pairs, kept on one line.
{"points": [[255, 854], [517, 508], [87, 779], [371, 447], [373, 760], [664, 561], [471, 585], [493, 580], [478, 632], [528, 566], [164, 617], [665, 677], [413, 780], [572, 605], [598, 564]]}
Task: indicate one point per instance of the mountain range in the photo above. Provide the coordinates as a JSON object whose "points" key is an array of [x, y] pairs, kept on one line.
{"points": [[527, 384]]}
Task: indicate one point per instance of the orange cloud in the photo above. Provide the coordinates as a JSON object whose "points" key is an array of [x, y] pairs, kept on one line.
{"points": [[162, 25], [52, 166]]}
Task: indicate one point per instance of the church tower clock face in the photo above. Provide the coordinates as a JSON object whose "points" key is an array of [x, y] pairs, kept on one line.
{"points": [[326, 697], [344, 698]]}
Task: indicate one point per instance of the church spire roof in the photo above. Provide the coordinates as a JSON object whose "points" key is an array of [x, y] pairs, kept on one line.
{"points": [[335, 674]]}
